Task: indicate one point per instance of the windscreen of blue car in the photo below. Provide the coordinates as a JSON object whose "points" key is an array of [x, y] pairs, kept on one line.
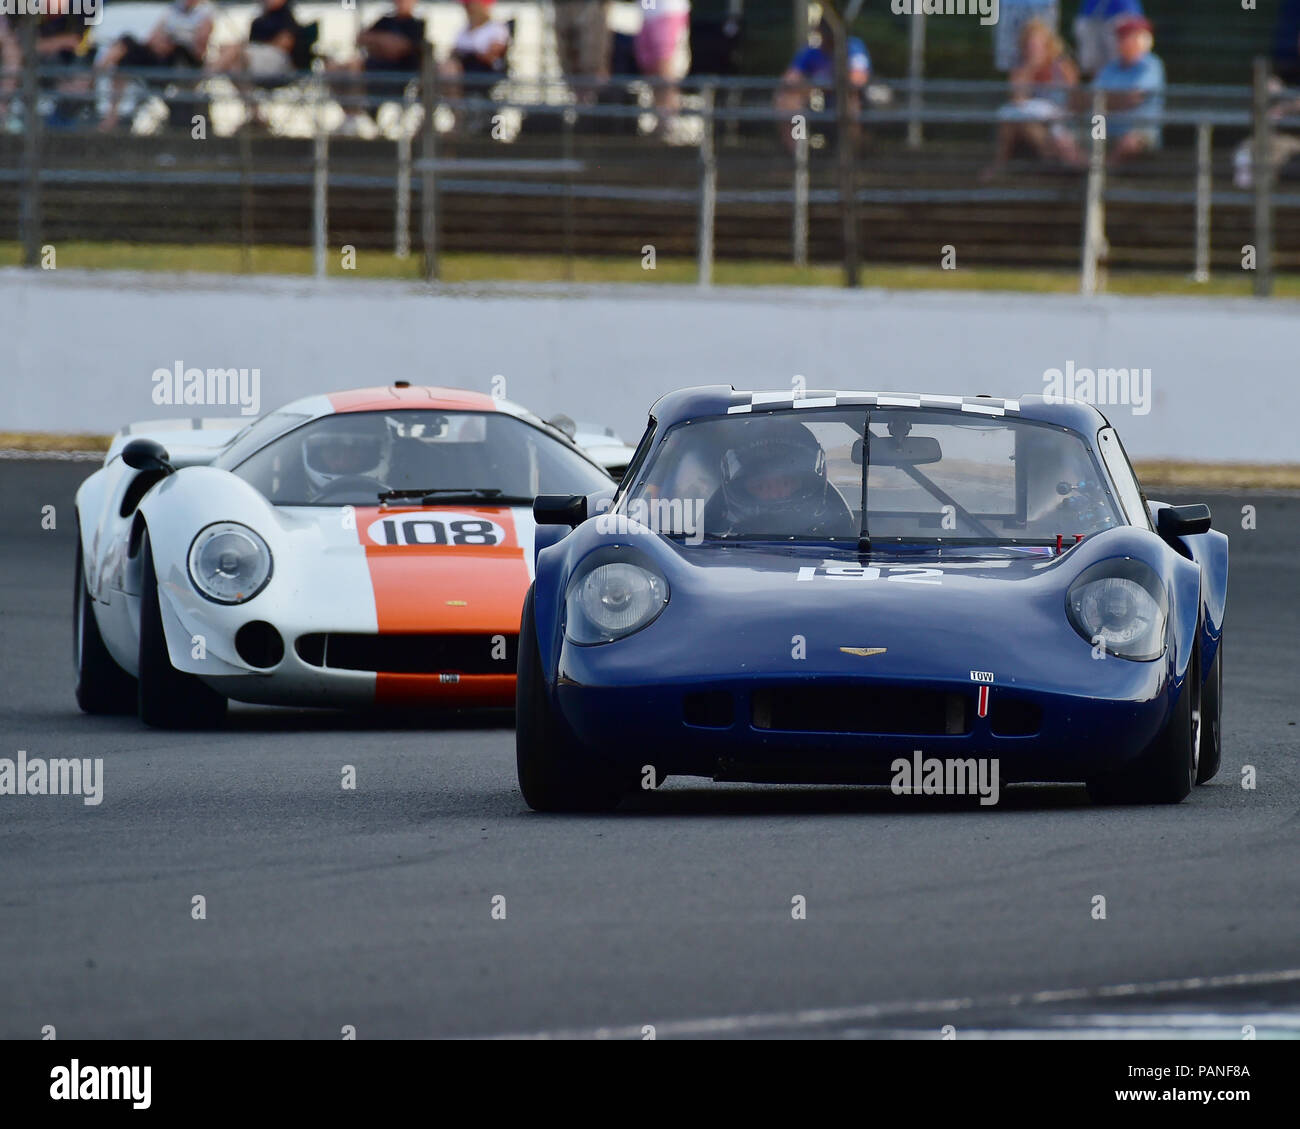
{"points": [[930, 476], [351, 458]]}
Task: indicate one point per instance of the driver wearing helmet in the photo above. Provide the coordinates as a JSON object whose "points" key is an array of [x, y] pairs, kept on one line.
{"points": [[340, 451], [774, 483]]}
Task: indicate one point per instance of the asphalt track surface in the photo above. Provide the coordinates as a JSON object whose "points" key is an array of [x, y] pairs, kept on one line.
{"points": [[374, 908]]}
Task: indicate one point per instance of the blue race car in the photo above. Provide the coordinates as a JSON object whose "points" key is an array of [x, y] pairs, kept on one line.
{"points": [[808, 588]]}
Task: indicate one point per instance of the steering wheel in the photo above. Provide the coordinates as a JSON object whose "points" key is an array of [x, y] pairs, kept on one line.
{"points": [[353, 484]]}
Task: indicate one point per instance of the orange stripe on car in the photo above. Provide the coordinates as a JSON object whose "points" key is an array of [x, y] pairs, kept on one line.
{"points": [[426, 583]]}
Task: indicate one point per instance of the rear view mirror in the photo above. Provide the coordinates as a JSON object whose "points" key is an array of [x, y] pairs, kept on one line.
{"points": [[1183, 521], [146, 454], [560, 509], [909, 451]]}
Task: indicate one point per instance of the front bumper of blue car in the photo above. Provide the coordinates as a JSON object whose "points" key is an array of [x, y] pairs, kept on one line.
{"points": [[824, 728]]}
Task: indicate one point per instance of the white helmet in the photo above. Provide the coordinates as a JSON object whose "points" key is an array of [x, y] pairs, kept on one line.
{"points": [[339, 447]]}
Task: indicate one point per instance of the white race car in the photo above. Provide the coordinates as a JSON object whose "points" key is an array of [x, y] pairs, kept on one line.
{"points": [[360, 548]]}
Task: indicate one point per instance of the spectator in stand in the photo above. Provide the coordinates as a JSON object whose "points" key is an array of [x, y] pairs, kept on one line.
{"points": [[813, 67], [1134, 84], [1036, 116], [269, 50], [179, 39], [584, 43], [391, 46], [63, 39], [11, 63], [665, 26], [1095, 30], [1283, 147], [480, 48]]}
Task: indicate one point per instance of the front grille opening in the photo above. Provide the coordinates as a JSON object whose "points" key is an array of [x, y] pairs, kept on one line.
{"points": [[855, 709], [1013, 717], [712, 709], [259, 644], [411, 654]]}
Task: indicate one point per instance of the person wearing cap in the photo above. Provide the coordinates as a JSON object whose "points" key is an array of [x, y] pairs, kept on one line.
{"points": [[813, 67], [1134, 84], [1094, 31]]}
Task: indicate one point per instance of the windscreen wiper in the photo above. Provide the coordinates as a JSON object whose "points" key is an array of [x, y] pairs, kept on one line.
{"points": [[432, 495]]}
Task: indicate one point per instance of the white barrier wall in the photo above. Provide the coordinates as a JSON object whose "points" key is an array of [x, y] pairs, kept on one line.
{"points": [[82, 348]]}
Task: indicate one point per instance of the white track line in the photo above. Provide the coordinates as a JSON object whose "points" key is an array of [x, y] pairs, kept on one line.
{"points": [[821, 1017]]}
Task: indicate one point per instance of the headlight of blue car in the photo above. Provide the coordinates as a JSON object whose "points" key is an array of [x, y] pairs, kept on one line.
{"points": [[609, 599], [229, 563], [1122, 605]]}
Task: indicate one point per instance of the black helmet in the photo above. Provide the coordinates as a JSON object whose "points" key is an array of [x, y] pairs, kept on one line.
{"points": [[773, 471]]}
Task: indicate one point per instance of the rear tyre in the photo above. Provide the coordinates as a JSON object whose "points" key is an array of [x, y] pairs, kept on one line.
{"points": [[1166, 771], [103, 687], [552, 776], [168, 698], [1211, 717]]}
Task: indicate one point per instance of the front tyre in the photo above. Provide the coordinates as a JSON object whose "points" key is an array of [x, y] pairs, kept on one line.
{"points": [[103, 687], [547, 756], [1166, 771], [168, 698]]}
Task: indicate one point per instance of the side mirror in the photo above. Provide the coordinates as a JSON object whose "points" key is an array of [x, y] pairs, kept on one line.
{"points": [[147, 454], [560, 509], [1183, 521]]}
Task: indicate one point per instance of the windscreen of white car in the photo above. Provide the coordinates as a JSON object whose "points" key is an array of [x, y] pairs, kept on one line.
{"points": [[931, 476], [417, 455]]}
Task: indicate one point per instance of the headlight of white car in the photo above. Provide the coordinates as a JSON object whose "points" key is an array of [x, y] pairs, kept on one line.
{"points": [[229, 563], [1122, 605], [608, 601]]}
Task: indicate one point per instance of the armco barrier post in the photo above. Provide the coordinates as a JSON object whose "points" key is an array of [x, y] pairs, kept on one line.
{"points": [[799, 221], [30, 207], [320, 181], [1204, 194], [402, 204], [1094, 208], [428, 155], [708, 191], [1264, 180], [846, 129]]}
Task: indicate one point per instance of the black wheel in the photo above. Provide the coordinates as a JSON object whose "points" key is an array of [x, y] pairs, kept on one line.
{"points": [[1167, 769], [168, 698], [1211, 719], [103, 687], [552, 772]]}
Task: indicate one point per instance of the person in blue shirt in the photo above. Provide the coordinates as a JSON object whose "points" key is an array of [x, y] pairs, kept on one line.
{"points": [[814, 68], [1134, 83], [1094, 31]]}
